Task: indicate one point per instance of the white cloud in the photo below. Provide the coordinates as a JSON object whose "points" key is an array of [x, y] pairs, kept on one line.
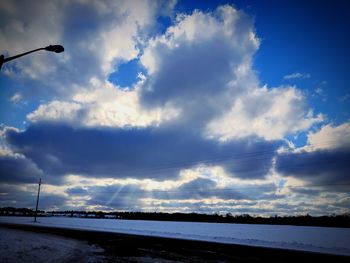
{"points": [[5, 129], [103, 105], [202, 65], [16, 98], [199, 75], [329, 138], [97, 35], [56, 111], [108, 106], [226, 23], [297, 75], [117, 40], [267, 113]]}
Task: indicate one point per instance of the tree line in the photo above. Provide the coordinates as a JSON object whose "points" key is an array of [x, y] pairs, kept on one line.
{"points": [[299, 220]]}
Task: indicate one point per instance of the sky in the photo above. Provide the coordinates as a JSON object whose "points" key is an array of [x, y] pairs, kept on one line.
{"points": [[237, 107]]}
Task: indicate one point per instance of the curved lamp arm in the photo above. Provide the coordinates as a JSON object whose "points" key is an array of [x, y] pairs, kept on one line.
{"points": [[52, 48]]}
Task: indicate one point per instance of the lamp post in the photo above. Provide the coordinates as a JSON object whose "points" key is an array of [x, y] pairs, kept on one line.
{"points": [[51, 48]]}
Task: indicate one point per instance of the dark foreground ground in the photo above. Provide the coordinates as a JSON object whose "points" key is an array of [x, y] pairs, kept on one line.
{"points": [[112, 247]]}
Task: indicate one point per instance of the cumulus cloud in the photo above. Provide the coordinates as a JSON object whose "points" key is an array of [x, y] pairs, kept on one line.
{"points": [[191, 70], [329, 137], [269, 114], [103, 105], [17, 169], [194, 80], [198, 103], [324, 160], [63, 111], [213, 84], [97, 36]]}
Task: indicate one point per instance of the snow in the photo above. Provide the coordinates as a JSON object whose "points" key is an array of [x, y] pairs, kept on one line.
{"points": [[315, 239], [25, 246]]}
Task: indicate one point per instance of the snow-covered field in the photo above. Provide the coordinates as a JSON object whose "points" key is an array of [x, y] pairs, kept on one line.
{"points": [[316, 239]]}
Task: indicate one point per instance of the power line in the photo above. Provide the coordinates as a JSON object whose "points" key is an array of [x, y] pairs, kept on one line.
{"points": [[236, 158]]}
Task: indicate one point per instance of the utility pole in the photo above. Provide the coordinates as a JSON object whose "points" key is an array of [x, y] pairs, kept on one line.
{"points": [[37, 201]]}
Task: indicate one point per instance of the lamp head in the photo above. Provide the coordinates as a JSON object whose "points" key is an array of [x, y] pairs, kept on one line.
{"points": [[55, 48]]}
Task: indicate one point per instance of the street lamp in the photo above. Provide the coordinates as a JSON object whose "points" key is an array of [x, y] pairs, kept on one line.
{"points": [[51, 48]]}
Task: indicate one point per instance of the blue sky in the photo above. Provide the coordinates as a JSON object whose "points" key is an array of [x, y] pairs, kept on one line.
{"points": [[199, 97]]}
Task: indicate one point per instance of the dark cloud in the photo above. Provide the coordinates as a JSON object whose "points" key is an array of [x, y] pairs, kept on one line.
{"points": [[139, 153], [199, 189], [202, 74], [285, 207], [77, 191], [15, 196], [52, 201], [268, 196], [130, 197], [18, 169], [329, 168], [306, 191], [258, 192], [345, 202], [119, 197]]}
